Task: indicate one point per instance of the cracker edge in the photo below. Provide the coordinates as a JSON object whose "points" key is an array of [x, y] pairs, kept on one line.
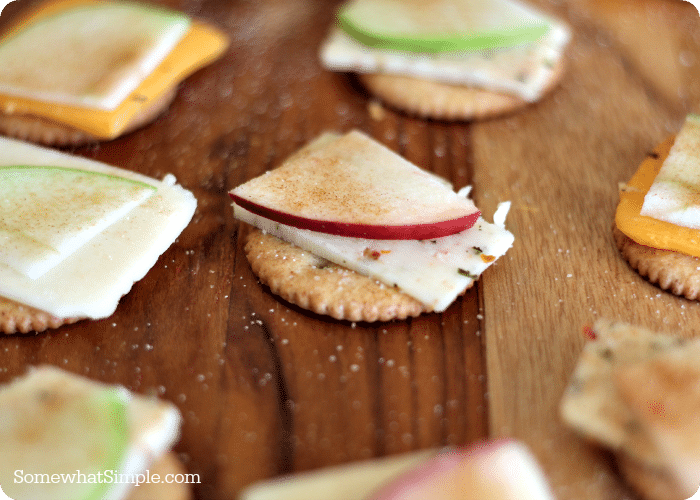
{"points": [[20, 318], [443, 101], [313, 302], [672, 271], [48, 132]]}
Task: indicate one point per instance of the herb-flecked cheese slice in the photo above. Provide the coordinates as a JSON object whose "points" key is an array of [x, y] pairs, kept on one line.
{"points": [[434, 272], [56, 422]]}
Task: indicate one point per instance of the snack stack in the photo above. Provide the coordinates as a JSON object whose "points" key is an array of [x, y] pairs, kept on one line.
{"points": [[104, 68], [76, 234], [449, 59], [657, 224], [350, 229]]}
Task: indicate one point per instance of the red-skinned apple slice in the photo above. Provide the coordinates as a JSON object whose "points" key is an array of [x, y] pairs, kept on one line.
{"points": [[498, 470], [371, 231], [353, 186]]}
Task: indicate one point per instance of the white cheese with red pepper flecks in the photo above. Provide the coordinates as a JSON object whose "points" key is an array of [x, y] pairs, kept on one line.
{"points": [[523, 70], [102, 267], [434, 271]]}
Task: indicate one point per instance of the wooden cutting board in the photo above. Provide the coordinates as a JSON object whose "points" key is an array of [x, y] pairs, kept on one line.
{"points": [[266, 388]]}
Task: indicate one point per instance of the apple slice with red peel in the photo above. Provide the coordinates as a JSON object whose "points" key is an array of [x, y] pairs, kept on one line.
{"points": [[491, 470], [353, 186], [499, 470]]}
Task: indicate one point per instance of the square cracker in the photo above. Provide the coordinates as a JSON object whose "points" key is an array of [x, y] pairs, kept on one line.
{"points": [[593, 403]]}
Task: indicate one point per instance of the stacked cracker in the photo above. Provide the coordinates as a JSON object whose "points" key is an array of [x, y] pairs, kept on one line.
{"points": [[657, 223], [449, 59], [76, 71], [58, 424]]}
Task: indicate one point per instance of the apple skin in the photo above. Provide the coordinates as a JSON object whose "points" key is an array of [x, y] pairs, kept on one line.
{"points": [[426, 231], [475, 473]]}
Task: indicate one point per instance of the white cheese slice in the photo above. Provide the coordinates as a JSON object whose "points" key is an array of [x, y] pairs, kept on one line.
{"points": [[434, 272], [523, 70], [152, 428], [90, 55], [90, 282], [674, 195], [47, 213]]}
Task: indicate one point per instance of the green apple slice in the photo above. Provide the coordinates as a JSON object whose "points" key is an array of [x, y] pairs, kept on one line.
{"points": [[441, 25], [63, 438], [91, 55], [674, 195], [47, 213]]}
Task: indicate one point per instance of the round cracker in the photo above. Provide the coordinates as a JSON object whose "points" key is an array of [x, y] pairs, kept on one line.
{"points": [[168, 464], [444, 101], [672, 271], [651, 483], [320, 286], [51, 133], [18, 318]]}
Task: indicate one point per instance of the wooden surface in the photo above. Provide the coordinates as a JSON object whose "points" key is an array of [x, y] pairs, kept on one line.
{"points": [[266, 388]]}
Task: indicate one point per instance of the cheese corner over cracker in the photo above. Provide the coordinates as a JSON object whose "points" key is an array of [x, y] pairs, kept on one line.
{"points": [[75, 234], [433, 270], [498, 45], [674, 196], [100, 63], [94, 429]]}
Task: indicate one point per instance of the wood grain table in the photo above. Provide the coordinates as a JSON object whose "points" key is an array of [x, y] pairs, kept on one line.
{"points": [[266, 388]]}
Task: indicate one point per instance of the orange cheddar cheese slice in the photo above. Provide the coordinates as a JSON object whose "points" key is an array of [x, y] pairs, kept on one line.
{"points": [[647, 230], [201, 45]]}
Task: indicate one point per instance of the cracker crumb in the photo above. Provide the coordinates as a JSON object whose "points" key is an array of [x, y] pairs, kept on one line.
{"points": [[376, 110]]}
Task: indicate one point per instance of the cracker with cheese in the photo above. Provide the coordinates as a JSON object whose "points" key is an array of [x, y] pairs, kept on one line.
{"points": [[75, 438], [76, 234], [104, 68], [635, 392], [657, 223], [352, 202], [449, 59]]}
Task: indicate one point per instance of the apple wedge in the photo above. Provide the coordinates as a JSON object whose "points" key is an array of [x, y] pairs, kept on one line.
{"points": [[64, 437], [47, 213], [355, 187], [497, 470]]}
